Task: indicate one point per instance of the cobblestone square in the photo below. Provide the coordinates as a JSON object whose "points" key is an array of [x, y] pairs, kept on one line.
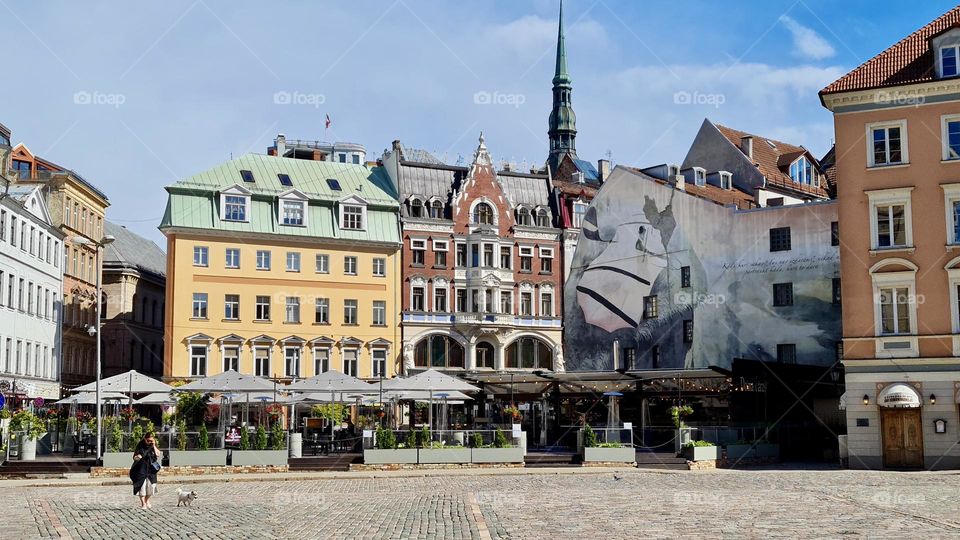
{"points": [[631, 504]]}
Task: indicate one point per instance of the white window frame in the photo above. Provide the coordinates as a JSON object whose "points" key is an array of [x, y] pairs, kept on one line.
{"points": [[287, 305], [423, 288], [897, 279], [343, 360], [322, 263], [324, 309], [379, 305], [204, 253], [887, 197], [350, 263], [726, 180], [223, 354], [953, 278], [317, 349], [945, 136], [356, 312], [956, 49], [190, 347], [904, 154], [699, 176], [268, 372], [419, 244], [202, 303], [295, 258], [236, 308], [226, 258], [547, 293], [579, 217], [951, 195], [379, 267], [286, 361], [264, 256], [373, 361], [363, 216], [437, 287], [282, 217], [234, 192]]}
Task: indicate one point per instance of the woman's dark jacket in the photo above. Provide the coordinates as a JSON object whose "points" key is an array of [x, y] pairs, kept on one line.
{"points": [[141, 469]]}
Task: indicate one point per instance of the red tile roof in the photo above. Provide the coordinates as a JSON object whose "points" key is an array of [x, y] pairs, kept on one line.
{"points": [[773, 160], [907, 62], [710, 192]]}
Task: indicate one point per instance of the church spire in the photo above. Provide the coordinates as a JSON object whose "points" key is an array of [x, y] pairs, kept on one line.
{"points": [[563, 121]]}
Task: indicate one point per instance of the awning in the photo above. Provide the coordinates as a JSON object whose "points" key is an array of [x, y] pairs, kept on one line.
{"points": [[899, 396]]}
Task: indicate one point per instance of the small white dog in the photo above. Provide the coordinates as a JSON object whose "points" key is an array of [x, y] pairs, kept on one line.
{"points": [[185, 497]]}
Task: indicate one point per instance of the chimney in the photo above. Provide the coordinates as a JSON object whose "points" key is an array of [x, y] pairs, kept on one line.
{"points": [[603, 169], [746, 146], [680, 182], [281, 144]]}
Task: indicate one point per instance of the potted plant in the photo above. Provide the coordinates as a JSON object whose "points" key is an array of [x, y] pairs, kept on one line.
{"points": [[202, 456], [513, 412], [25, 425], [501, 451], [260, 451], [677, 414], [596, 452], [113, 455], [699, 451], [387, 450]]}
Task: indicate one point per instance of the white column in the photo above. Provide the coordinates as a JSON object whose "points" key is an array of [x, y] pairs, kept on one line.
{"points": [[469, 355], [500, 361]]}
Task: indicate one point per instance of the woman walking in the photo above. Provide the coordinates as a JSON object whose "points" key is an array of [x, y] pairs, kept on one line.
{"points": [[143, 473]]}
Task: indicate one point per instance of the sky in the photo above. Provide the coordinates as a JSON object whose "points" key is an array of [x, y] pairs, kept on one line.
{"points": [[135, 96]]}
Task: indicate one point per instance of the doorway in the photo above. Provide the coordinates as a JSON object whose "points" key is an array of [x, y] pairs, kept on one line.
{"points": [[902, 438]]}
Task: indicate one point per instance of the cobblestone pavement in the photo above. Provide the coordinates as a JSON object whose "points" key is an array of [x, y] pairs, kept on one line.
{"points": [[634, 504]]}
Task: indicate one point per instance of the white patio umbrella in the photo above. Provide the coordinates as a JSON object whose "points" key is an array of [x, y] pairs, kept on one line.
{"points": [[157, 398], [90, 398], [330, 382], [131, 382], [229, 382], [432, 382]]}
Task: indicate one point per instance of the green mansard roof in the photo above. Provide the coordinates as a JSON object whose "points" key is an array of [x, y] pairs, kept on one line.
{"points": [[194, 202]]}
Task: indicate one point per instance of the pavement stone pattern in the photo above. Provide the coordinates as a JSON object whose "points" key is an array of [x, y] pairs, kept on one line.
{"points": [[621, 504]]}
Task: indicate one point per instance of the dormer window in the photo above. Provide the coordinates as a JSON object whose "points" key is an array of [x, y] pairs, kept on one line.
{"points": [[483, 214], [726, 180], [293, 212], [523, 216], [235, 204], [948, 61], [543, 218], [802, 171], [699, 176], [416, 208], [436, 210], [351, 217], [673, 170]]}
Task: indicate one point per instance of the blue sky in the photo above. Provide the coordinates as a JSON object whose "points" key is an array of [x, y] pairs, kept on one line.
{"points": [[177, 87]]}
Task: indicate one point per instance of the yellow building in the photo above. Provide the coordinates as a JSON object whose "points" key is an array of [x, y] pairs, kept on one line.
{"points": [[282, 268]]}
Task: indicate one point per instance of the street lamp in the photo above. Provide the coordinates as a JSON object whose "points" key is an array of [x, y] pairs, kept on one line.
{"points": [[94, 329]]}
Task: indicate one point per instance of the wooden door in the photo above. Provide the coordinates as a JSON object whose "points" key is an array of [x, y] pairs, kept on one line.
{"points": [[902, 438]]}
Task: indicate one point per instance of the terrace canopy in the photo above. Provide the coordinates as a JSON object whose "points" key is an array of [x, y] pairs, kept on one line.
{"points": [[131, 382], [90, 398]]}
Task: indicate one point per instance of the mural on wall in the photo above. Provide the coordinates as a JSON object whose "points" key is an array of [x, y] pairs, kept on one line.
{"points": [[675, 281]]}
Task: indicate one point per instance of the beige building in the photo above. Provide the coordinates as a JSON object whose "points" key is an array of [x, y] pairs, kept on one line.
{"points": [[897, 120]]}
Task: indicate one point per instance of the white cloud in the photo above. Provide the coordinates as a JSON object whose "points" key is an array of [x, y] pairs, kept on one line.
{"points": [[806, 42]]}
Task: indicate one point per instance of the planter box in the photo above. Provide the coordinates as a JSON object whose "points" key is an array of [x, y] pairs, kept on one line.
{"points": [[198, 458], [445, 455], [496, 455], [768, 450], [741, 451], [117, 460], [700, 453], [259, 457], [625, 454], [28, 449], [405, 456]]}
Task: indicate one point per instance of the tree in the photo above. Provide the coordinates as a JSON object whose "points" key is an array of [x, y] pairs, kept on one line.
{"points": [[261, 439], [203, 443], [244, 438]]}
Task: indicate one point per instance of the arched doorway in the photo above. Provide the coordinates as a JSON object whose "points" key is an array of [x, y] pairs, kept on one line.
{"points": [[438, 351], [485, 355], [901, 426]]}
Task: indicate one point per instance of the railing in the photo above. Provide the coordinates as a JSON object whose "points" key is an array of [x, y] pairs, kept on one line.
{"points": [[666, 438], [449, 438], [167, 440], [610, 436]]}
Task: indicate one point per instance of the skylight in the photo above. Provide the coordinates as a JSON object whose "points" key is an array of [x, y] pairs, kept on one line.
{"points": [[285, 179], [247, 176], [333, 184]]}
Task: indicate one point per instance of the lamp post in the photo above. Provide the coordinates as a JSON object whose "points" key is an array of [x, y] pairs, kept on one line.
{"points": [[94, 329]]}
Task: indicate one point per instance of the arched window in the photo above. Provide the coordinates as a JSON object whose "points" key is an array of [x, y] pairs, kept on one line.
{"points": [[523, 216], [485, 358], [436, 210], [416, 208], [483, 214], [438, 351], [529, 353], [543, 218]]}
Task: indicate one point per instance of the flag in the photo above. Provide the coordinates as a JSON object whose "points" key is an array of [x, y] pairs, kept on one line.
{"points": [[328, 122]]}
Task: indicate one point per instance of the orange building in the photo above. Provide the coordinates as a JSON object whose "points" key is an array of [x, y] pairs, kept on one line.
{"points": [[897, 120]]}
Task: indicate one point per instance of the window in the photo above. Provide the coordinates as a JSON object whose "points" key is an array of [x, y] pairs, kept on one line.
{"points": [[291, 360], [231, 307], [688, 331], [461, 300], [284, 179], [655, 357], [948, 61], [474, 255], [198, 360], [321, 360], [546, 260], [350, 312], [650, 308], [461, 255], [485, 355], [322, 311], [483, 214], [529, 353], [782, 294], [436, 210], [488, 255], [802, 172], [416, 208], [333, 184], [526, 259], [323, 264], [726, 180], [543, 218], [950, 135], [780, 239], [440, 299], [263, 259], [523, 216], [232, 258], [247, 176], [526, 304], [293, 212], [234, 208], [379, 313], [440, 248], [629, 358], [199, 305], [379, 362], [263, 308], [887, 143], [379, 267], [546, 304], [895, 310], [684, 276], [418, 251], [699, 176], [292, 309], [13, 231], [231, 358], [787, 353], [579, 211], [350, 362], [834, 233], [416, 299], [505, 257], [261, 361], [352, 218], [836, 291], [951, 194], [293, 261], [891, 226], [350, 265], [438, 351]]}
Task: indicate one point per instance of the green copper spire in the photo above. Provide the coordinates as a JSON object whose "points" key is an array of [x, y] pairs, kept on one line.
{"points": [[563, 121]]}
